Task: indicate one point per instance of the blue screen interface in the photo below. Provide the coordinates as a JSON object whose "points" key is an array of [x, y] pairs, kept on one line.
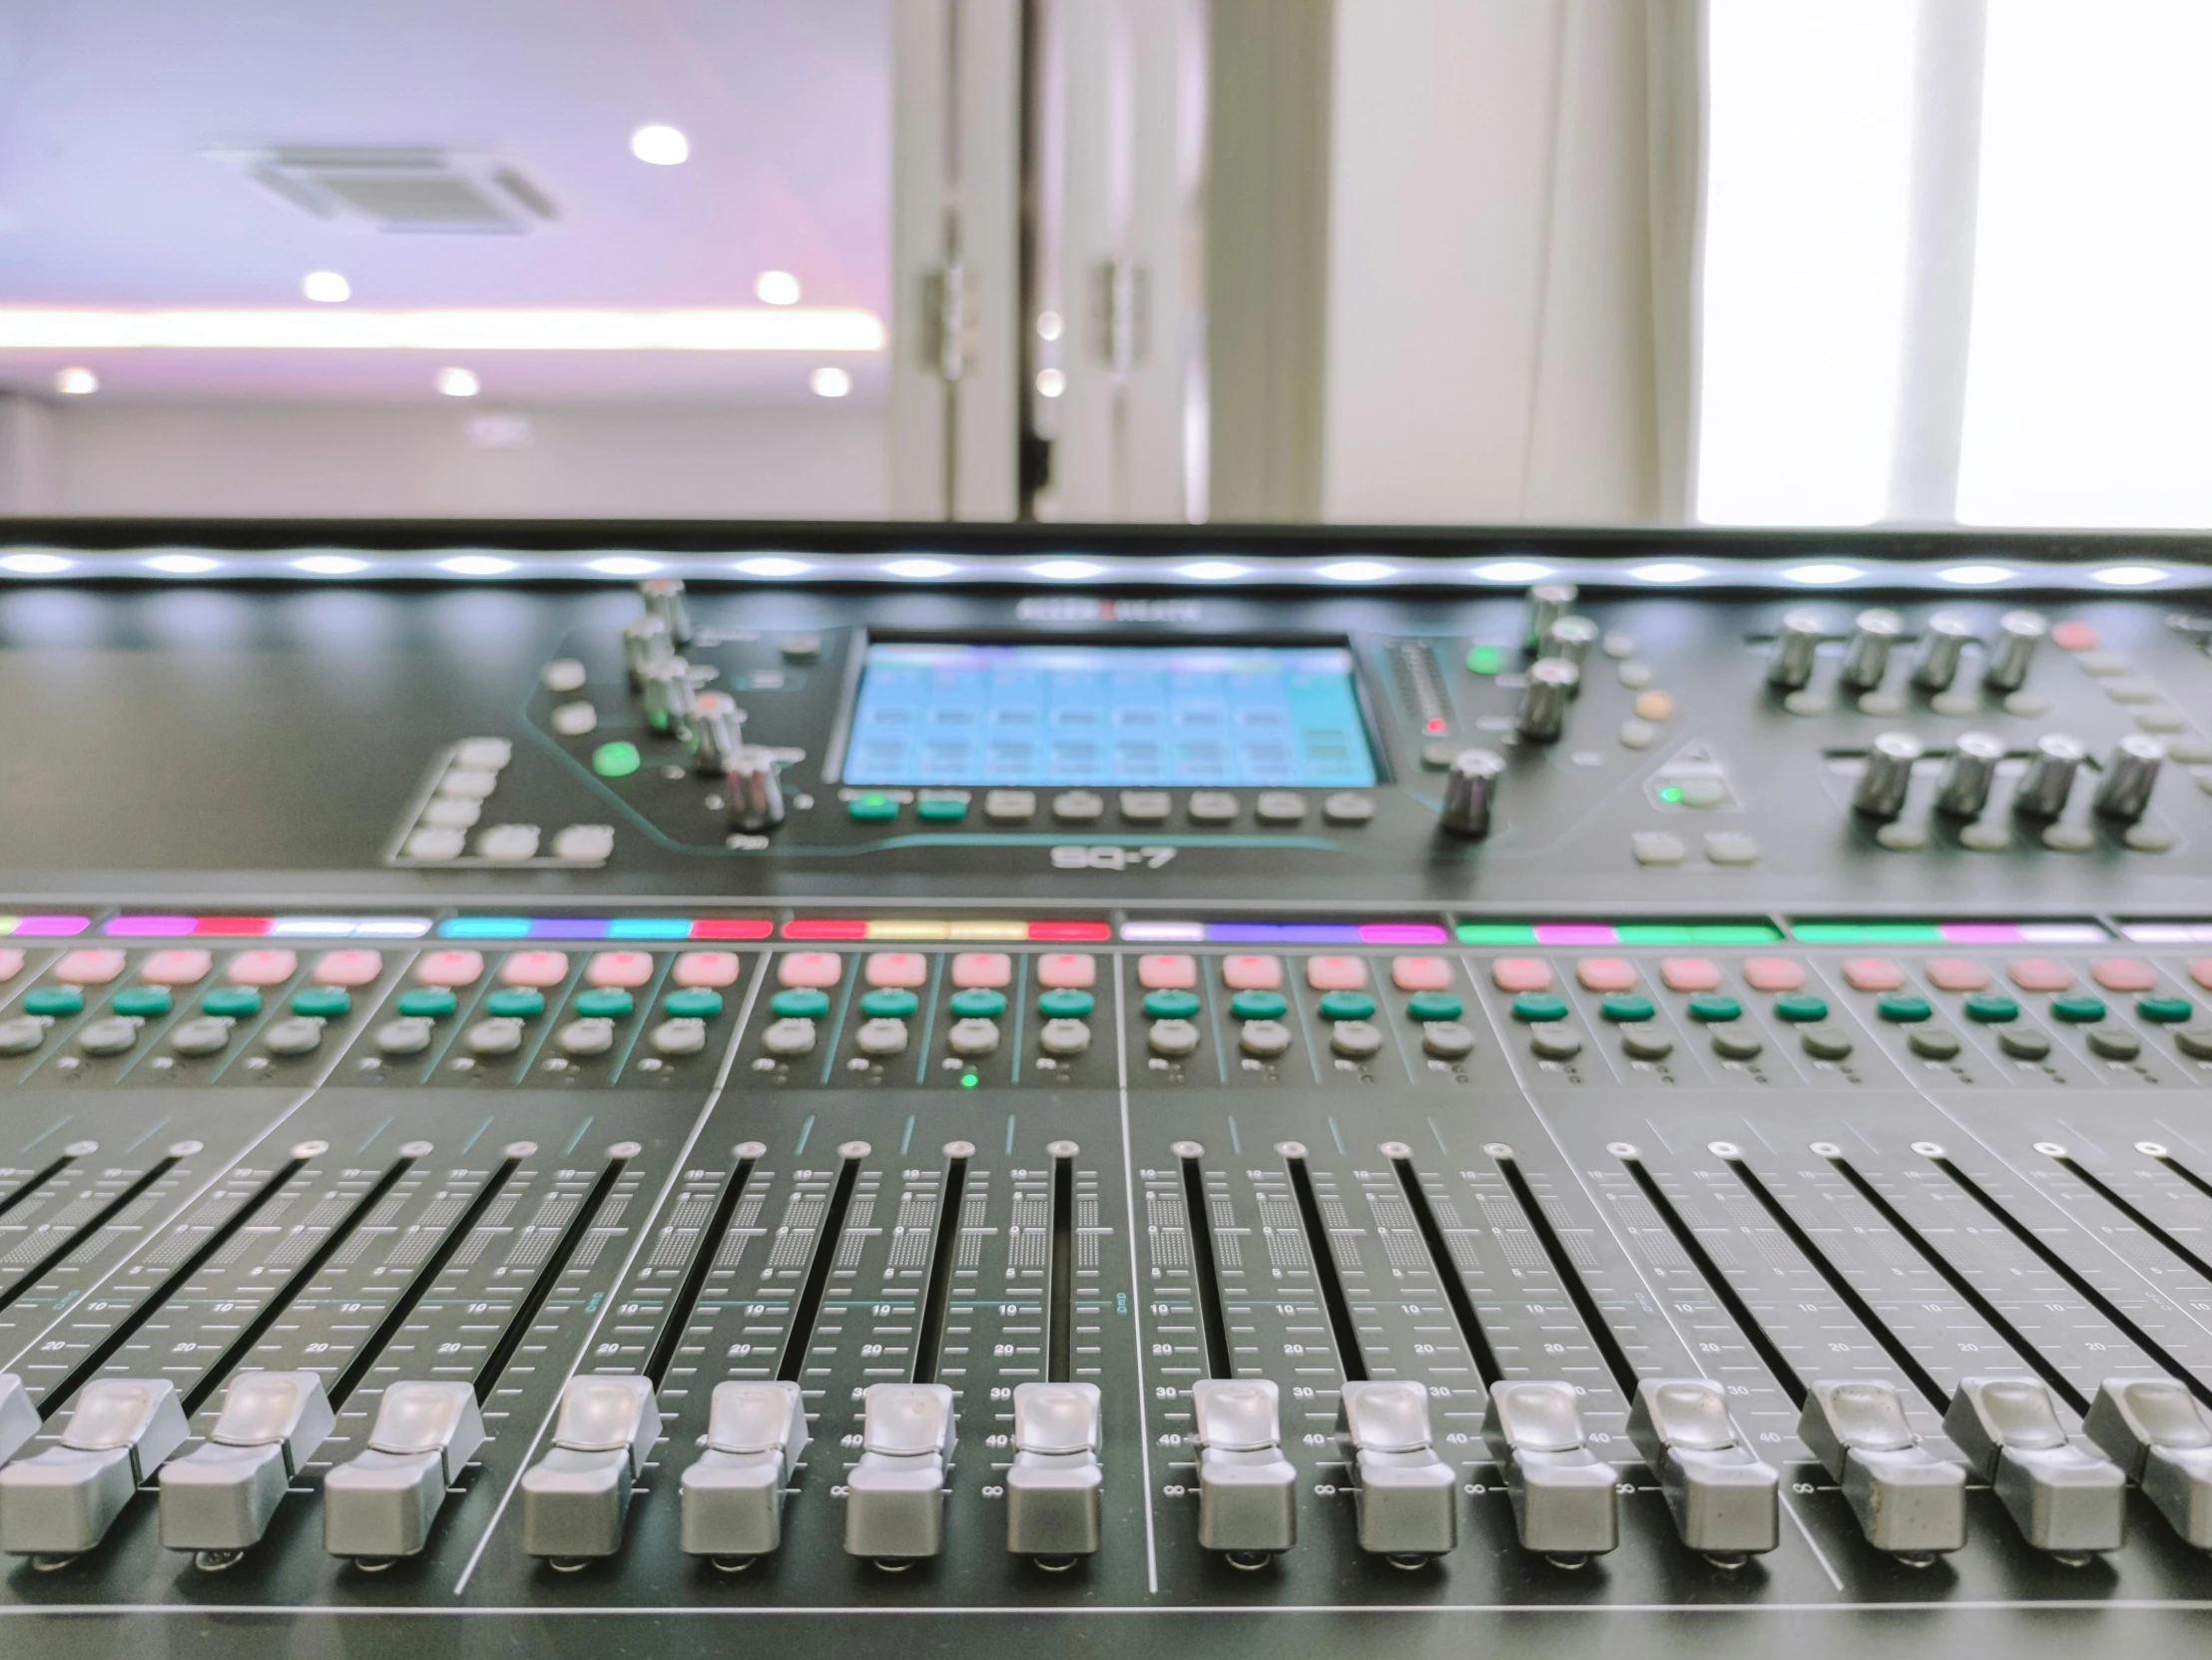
{"points": [[1207, 717]]}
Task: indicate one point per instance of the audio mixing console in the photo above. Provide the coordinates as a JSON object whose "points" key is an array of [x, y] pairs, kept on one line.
{"points": [[1438, 1095]]}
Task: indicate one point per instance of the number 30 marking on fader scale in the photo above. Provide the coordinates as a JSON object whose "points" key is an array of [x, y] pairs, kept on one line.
{"points": [[1110, 857]]}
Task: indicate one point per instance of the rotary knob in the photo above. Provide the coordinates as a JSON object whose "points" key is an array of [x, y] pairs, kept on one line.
{"points": [[750, 787], [670, 698], [1547, 603], [1866, 658], [1889, 775], [663, 600], [1969, 773], [2050, 776], [717, 732], [1795, 645], [1468, 788], [2124, 792], [1570, 639], [1936, 661], [2018, 634], [1542, 715]]}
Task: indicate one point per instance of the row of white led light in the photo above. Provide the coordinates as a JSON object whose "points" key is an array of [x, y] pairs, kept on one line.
{"points": [[1259, 572]]}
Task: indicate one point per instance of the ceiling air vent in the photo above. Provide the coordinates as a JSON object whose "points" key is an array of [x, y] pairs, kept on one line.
{"points": [[412, 187]]}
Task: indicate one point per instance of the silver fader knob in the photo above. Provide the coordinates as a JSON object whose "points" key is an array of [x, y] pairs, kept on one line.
{"points": [[1571, 638], [2067, 1500], [1542, 715], [1053, 1485], [1561, 1491], [664, 599], [1907, 1501], [1797, 645], [222, 1496], [2160, 1435], [732, 1497], [1726, 1501], [751, 790], [380, 1502], [1888, 775], [1935, 659], [894, 1497], [18, 1418], [1969, 774], [717, 732], [2018, 634], [645, 641], [1247, 1489], [1468, 788], [2124, 791], [2050, 776], [576, 1499], [1547, 603], [1408, 1495], [1866, 658], [63, 1501], [670, 697]]}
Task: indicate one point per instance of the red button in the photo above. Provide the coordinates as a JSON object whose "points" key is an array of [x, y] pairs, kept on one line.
{"points": [[1420, 973], [1336, 973], [704, 968], [1690, 974], [2075, 637], [1535, 974], [1872, 975], [982, 971], [1606, 973], [262, 968], [1067, 971], [89, 966], [2040, 974], [447, 968], [355, 966], [1167, 973], [816, 969], [902, 970], [1956, 974], [2200, 970], [11, 965], [2123, 973], [1252, 973], [177, 965], [1773, 973], [625, 970], [535, 968]]}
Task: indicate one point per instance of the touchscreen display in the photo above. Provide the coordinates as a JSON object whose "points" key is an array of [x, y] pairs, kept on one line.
{"points": [[1205, 717]]}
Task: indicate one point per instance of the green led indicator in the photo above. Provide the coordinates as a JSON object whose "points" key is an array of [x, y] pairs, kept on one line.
{"points": [[968, 1080], [1497, 933], [1670, 793], [615, 761], [1485, 660]]}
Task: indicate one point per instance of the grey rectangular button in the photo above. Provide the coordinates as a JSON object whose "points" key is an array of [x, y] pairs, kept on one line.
{"points": [[2064, 1500], [732, 1499], [895, 1496], [381, 1502], [223, 1496], [1408, 1495], [63, 1501], [1053, 1486], [1906, 1501], [2160, 1433], [1725, 1501], [1247, 1489], [1006, 807], [576, 1499], [1561, 1491]]}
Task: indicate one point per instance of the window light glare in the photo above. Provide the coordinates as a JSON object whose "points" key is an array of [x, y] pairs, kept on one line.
{"points": [[920, 569], [1512, 570], [76, 382], [772, 567], [2128, 576], [477, 564], [1211, 570], [1667, 570], [1066, 570], [777, 287], [329, 564], [658, 144], [830, 382], [1357, 570], [36, 564], [1974, 575], [624, 564], [327, 287], [181, 564], [1820, 576]]}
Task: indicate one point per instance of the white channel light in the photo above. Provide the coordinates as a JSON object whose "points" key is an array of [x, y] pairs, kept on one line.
{"points": [[327, 287], [36, 564], [329, 564], [477, 564], [457, 382], [1974, 576], [772, 567], [776, 287], [2128, 576], [1512, 570], [1211, 570], [182, 564], [830, 382], [1667, 570], [458, 332], [918, 569], [1066, 570], [659, 144], [623, 564], [1357, 570], [1821, 576]]}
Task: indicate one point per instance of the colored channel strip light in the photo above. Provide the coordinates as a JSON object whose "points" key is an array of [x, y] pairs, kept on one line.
{"points": [[1948, 933], [1284, 933], [50, 927], [158, 927], [2168, 934], [926, 929], [1617, 933], [606, 927]]}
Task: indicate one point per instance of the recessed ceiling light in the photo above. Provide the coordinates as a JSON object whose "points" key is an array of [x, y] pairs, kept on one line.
{"points": [[477, 564], [181, 564], [1820, 576], [2128, 576], [36, 564], [327, 287], [76, 382], [1357, 570], [1667, 570], [777, 287], [1051, 382], [830, 382], [918, 568], [662, 146], [1211, 570], [457, 330], [457, 382], [329, 564], [624, 564], [1974, 576], [1512, 570], [1066, 570], [772, 567]]}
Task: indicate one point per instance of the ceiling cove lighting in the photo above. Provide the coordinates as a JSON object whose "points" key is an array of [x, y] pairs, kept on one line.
{"points": [[1066, 570], [76, 382], [182, 564], [1974, 576], [457, 382], [1357, 570], [36, 564], [1512, 570], [1821, 576], [658, 144], [2128, 576], [625, 564], [1211, 570], [327, 287], [776, 287], [772, 567], [300, 329], [831, 382], [329, 564], [477, 564], [919, 570], [1667, 570]]}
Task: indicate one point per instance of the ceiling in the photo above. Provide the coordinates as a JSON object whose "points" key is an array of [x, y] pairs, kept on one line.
{"points": [[113, 190]]}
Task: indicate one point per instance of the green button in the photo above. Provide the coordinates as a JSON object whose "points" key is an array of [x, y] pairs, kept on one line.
{"points": [[1065, 1004], [1800, 1005], [1347, 1005], [237, 1001], [938, 806], [1625, 1005], [605, 1002], [873, 805], [332, 1002], [1258, 1005], [143, 1001], [1171, 1004], [55, 999], [889, 1002], [2164, 1010], [1539, 1005], [1903, 1007], [1426, 1006], [433, 1002], [800, 1003], [697, 1002], [1715, 1006], [1485, 660], [615, 761], [1991, 1008], [978, 1003], [2076, 1009], [516, 1002]]}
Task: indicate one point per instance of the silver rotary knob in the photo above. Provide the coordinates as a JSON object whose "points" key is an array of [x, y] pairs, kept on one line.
{"points": [[1468, 788], [1571, 639], [1547, 603], [670, 698], [1796, 646], [645, 641], [2050, 776], [1866, 658], [664, 599], [1542, 715], [717, 732], [749, 786], [1935, 660], [1969, 774], [1889, 775], [2124, 792], [2018, 634]]}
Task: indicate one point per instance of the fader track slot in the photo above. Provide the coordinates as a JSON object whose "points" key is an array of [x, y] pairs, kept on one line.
{"points": [[1562, 1265], [32, 1183], [1060, 1299], [1206, 1269], [1448, 1277], [827, 1240], [541, 1288], [686, 1300], [1349, 1355], [2105, 1191], [99, 1220], [937, 1298]]}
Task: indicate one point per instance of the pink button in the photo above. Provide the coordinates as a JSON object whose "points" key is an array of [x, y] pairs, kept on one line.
{"points": [[1167, 973], [1955, 974], [2200, 970], [179, 965], [1871, 974], [450, 968], [1773, 973], [819, 969], [1252, 973], [1606, 973], [89, 965], [264, 967], [2123, 973], [2075, 637], [1521, 974], [704, 968], [358, 967], [535, 968], [1690, 974], [2039, 973], [1336, 973], [982, 971], [902, 969], [11, 965], [1420, 973], [1067, 971], [628, 969]]}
